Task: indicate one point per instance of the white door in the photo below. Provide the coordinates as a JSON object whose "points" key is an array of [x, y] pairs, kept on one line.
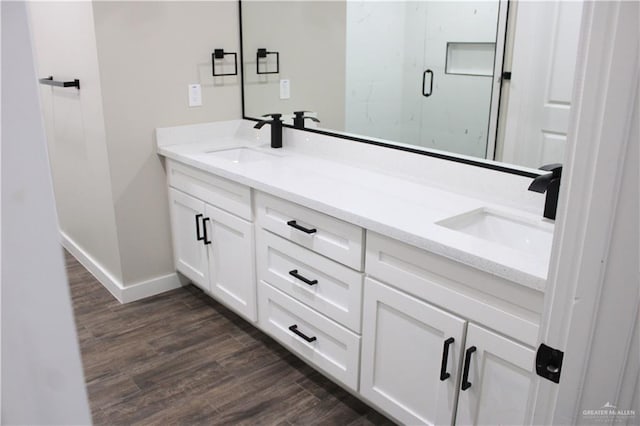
{"points": [[544, 58], [498, 384], [458, 67], [231, 260], [404, 341], [189, 251]]}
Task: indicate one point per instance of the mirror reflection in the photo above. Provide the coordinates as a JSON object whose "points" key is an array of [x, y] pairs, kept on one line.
{"points": [[486, 79]]}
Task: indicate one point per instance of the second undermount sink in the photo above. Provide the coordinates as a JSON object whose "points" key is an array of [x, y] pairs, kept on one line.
{"points": [[240, 155], [523, 234]]}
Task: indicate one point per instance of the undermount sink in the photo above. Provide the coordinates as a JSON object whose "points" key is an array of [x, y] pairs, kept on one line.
{"points": [[240, 155], [522, 234]]}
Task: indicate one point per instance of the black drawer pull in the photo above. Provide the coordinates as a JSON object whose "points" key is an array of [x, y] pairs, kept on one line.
{"points": [[198, 216], [294, 329], [466, 384], [295, 274], [445, 357], [204, 229], [294, 224]]}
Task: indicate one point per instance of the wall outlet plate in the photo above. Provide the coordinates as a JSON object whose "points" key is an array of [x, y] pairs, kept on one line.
{"points": [[285, 89], [195, 95]]}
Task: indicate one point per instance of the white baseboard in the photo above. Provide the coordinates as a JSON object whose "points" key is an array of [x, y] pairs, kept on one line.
{"points": [[124, 294], [150, 287]]}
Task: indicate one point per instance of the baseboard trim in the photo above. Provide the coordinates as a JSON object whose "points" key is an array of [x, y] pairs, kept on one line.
{"points": [[150, 287], [124, 294], [105, 278]]}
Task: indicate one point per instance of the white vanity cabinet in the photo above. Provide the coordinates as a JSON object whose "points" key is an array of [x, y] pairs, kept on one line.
{"points": [[189, 250], [417, 365], [425, 357], [499, 380], [212, 247], [310, 285], [422, 337], [410, 356], [231, 261]]}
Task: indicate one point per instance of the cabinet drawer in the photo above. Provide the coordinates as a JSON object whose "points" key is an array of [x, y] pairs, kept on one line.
{"points": [[220, 192], [331, 237], [332, 349], [502, 305], [330, 287]]}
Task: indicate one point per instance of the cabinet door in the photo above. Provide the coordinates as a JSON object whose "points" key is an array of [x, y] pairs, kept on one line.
{"points": [[231, 261], [403, 343], [190, 254], [501, 372]]}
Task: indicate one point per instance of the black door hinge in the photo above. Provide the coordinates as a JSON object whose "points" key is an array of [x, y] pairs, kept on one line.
{"points": [[549, 363], [506, 75]]}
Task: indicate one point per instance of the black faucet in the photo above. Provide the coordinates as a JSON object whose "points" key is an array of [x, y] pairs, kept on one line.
{"points": [[276, 129], [299, 117], [550, 183]]}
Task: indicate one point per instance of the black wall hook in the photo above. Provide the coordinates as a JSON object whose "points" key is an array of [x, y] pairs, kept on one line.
{"points": [[219, 54], [262, 54]]}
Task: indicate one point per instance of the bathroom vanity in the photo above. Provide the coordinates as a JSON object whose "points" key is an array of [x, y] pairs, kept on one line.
{"points": [[415, 283]]}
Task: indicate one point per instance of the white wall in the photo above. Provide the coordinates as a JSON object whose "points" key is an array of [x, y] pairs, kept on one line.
{"points": [[42, 381], [619, 299], [65, 42], [310, 37], [148, 53], [135, 61]]}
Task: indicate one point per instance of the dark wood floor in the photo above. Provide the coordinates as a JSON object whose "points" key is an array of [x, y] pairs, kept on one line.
{"points": [[182, 358]]}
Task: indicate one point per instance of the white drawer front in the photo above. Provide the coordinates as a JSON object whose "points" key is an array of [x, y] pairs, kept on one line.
{"points": [[331, 237], [504, 306], [223, 193], [334, 349], [332, 289]]}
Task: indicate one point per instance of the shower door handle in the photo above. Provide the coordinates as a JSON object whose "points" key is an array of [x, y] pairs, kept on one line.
{"points": [[424, 80]]}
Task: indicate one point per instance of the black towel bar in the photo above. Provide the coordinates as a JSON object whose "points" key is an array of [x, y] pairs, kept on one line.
{"points": [[262, 53], [49, 81], [220, 54]]}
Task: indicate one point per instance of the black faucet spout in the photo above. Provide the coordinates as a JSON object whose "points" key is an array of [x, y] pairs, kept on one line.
{"points": [[276, 129], [541, 183], [299, 117], [549, 183], [260, 124]]}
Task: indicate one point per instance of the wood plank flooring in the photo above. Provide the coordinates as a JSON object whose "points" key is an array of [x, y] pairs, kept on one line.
{"points": [[182, 358]]}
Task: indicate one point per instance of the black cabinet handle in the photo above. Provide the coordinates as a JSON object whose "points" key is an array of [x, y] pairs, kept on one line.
{"points": [[466, 384], [294, 273], [204, 229], [424, 79], [445, 357], [198, 216], [294, 329], [294, 224]]}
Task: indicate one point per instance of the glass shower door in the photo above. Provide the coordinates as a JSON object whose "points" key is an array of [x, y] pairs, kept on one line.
{"points": [[458, 62]]}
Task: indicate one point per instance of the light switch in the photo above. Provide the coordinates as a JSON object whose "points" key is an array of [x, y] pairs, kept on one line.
{"points": [[195, 95], [285, 89]]}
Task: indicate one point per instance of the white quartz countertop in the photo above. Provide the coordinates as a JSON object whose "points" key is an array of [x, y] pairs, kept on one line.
{"points": [[389, 205]]}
